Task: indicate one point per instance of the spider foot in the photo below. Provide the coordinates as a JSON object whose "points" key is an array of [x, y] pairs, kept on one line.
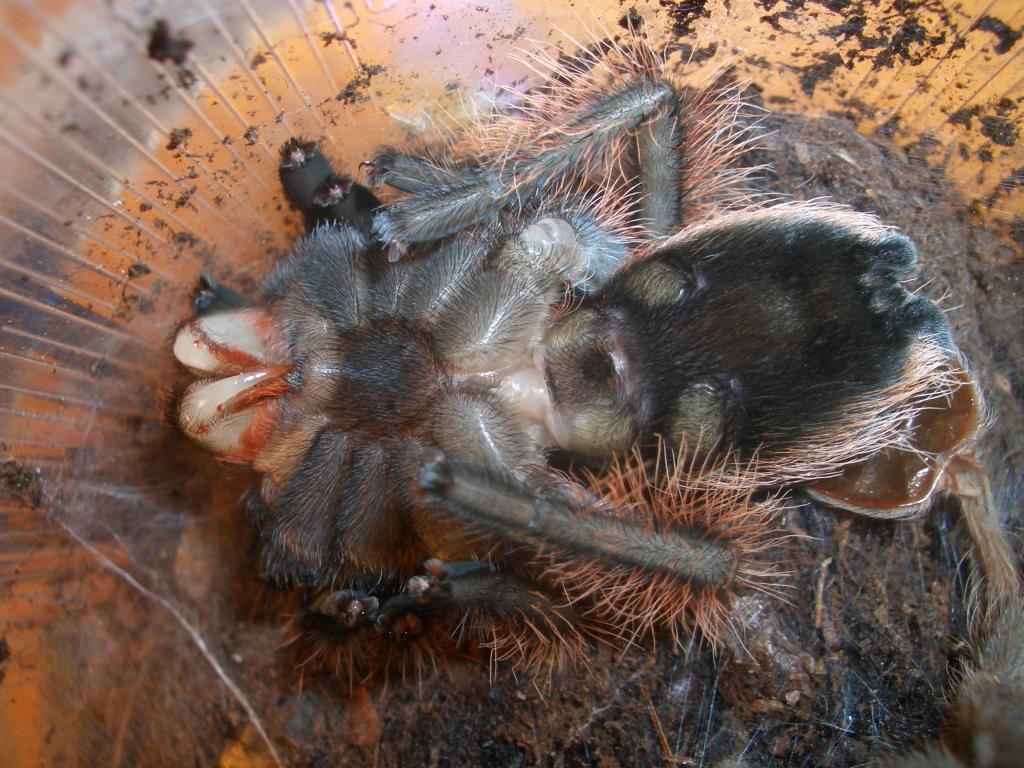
{"points": [[350, 633], [350, 607], [212, 297], [474, 605], [322, 196], [302, 170], [340, 201], [412, 171]]}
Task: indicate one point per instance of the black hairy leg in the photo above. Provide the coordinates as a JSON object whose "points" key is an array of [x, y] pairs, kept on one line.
{"points": [[321, 195], [682, 142], [445, 608], [212, 297]]}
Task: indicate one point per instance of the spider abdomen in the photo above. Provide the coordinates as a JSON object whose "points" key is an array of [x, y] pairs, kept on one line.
{"points": [[770, 324]]}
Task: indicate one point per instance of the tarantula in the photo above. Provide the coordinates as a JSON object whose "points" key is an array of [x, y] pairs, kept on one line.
{"points": [[543, 395]]}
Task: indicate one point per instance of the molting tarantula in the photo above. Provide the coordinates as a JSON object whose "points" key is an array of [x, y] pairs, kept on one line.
{"points": [[574, 283]]}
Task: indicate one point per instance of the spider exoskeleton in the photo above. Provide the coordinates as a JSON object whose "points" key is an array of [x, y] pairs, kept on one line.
{"points": [[576, 282]]}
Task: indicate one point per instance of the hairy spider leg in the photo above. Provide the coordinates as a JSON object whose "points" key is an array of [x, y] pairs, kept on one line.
{"points": [[451, 606], [636, 552], [212, 297], [483, 494], [470, 194], [660, 166], [321, 195], [418, 168], [501, 611]]}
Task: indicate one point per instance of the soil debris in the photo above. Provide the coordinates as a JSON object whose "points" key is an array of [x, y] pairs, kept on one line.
{"points": [[21, 483], [165, 45]]}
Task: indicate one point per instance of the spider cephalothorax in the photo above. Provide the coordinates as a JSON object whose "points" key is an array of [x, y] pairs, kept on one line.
{"points": [[573, 277]]}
